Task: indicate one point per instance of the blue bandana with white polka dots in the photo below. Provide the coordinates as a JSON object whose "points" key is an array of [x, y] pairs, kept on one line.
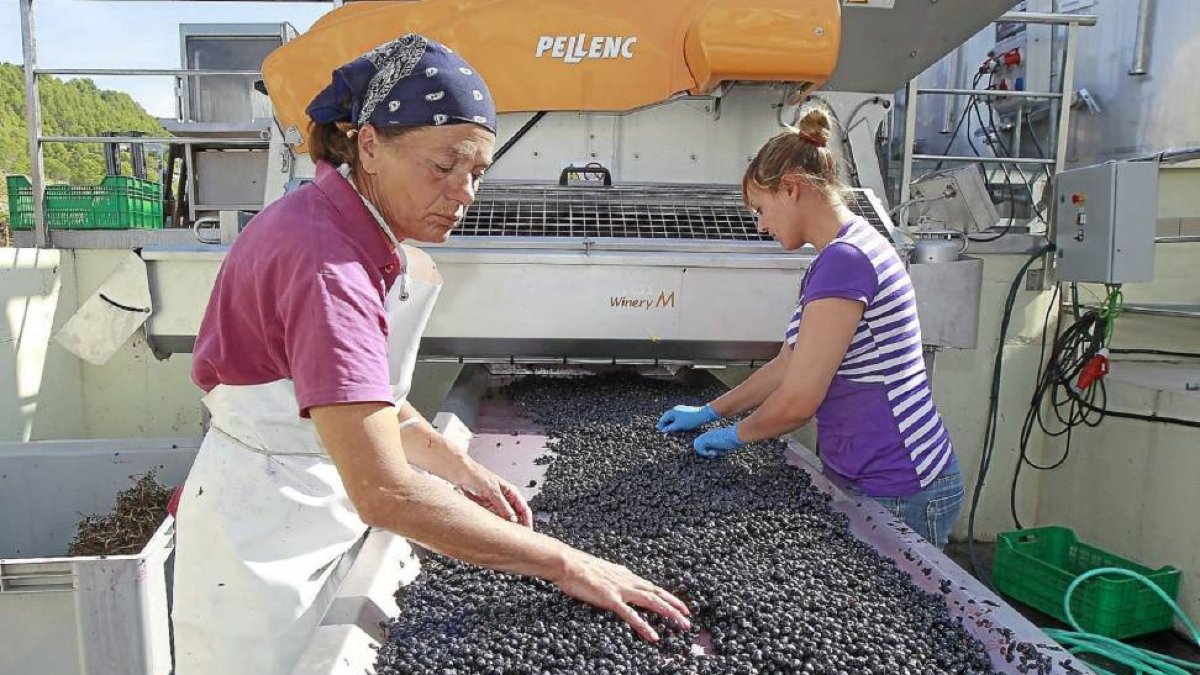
{"points": [[411, 81]]}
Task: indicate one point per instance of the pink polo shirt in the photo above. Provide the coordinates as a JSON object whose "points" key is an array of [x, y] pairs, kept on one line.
{"points": [[300, 296]]}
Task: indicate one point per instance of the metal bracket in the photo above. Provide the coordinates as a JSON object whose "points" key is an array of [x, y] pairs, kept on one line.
{"points": [[1035, 279], [286, 159]]}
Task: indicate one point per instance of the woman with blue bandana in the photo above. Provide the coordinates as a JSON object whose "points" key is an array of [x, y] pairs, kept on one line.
{"points": [[306, 354]]}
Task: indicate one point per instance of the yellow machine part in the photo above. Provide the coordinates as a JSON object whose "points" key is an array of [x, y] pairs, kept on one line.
{"points": [[557, 55]]}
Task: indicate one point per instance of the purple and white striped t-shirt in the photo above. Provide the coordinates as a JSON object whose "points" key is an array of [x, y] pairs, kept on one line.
{"points": [[878, 426]]}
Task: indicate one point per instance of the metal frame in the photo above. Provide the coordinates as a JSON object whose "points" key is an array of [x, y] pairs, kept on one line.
{"points": [[33, 110], [992, 92], [190, 31], [1072, 22], [33, 113]]}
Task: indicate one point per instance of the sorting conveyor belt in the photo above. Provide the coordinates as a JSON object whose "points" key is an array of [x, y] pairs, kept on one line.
{"points": [[508, 442]]}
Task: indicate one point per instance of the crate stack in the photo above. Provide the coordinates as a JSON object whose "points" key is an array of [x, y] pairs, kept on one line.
{"points": [[117, 203]]}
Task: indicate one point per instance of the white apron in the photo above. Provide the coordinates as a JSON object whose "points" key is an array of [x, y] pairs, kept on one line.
{"points": [[265, 519]]}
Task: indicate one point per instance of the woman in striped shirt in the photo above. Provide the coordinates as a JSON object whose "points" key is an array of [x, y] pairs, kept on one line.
{"points": [[851, 356]]}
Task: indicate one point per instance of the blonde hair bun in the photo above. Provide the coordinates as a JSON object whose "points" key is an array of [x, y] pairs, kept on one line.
{"points": [[816, 124]]}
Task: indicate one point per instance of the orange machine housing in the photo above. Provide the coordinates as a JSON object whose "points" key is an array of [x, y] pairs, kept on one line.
{"points": [[615, 56]]}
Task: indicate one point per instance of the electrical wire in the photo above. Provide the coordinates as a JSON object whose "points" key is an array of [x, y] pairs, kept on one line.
{"points": [[1061, 390], [973, 106], [1121, 414], [991, 131], [989, 434], [1141, 417], [1014, 153], [1041, 154], [1050, 375], [961, 118], [964, 118]]}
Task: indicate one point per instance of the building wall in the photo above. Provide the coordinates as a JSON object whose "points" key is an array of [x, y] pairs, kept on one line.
{"points": [[1130, 486]]}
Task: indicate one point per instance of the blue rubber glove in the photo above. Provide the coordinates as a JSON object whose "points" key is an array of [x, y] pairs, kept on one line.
{"points": [[717, 442], [686, 418]]}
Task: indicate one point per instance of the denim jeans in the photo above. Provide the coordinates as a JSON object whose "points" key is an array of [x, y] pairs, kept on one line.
{"points": [[933, 511]]}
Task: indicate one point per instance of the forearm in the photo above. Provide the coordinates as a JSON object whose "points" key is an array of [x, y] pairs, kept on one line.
{"points": [[826, 329], [778, 415], [364, 443], [434, 515], [753, 391], [425, 447]]}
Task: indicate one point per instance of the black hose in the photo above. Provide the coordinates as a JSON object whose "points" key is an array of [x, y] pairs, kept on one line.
{"points": [[517, 136], [989, 443]]}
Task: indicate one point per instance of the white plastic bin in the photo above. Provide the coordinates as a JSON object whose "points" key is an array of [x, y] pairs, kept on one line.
{"points": [[82, 615]]}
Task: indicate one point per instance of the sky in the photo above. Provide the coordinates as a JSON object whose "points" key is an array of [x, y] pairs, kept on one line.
{"points": [[132, 34]]}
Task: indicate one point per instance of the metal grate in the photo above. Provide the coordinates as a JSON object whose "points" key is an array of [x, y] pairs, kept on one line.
{"points": [[659, 211], [872, 211]]}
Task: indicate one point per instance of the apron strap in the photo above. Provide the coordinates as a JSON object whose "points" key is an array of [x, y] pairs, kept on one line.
{"points": [[345, 172]]}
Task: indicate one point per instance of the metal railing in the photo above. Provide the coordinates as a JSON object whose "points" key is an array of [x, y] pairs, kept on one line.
{"points": [[1061, 100], [33, 112]]}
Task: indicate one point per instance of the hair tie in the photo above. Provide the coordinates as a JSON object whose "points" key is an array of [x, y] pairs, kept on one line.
{"points": [[815, 140]]}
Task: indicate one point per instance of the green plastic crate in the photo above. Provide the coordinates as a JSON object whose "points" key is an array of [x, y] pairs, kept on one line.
{"points": [[20, 203], [117, 203], [1035, 566]]}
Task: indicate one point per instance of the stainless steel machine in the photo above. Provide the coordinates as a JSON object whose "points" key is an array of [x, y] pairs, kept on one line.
{"points": [[664, 267]]}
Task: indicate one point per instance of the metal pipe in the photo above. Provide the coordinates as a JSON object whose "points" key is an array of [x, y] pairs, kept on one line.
{"points": [[1017, 136], [983, 93], [910, 142], [178, 72], [984, 160], [1049, 18], [1068, 92], [1142, 39], [180, 140], [33, 115], [190, 183], [950, 108], [1177, 155], [1149, 309]]}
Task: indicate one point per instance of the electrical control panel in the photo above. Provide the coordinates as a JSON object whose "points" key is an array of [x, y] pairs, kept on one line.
{"points": [[1105, 220], [1021, 61]]}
